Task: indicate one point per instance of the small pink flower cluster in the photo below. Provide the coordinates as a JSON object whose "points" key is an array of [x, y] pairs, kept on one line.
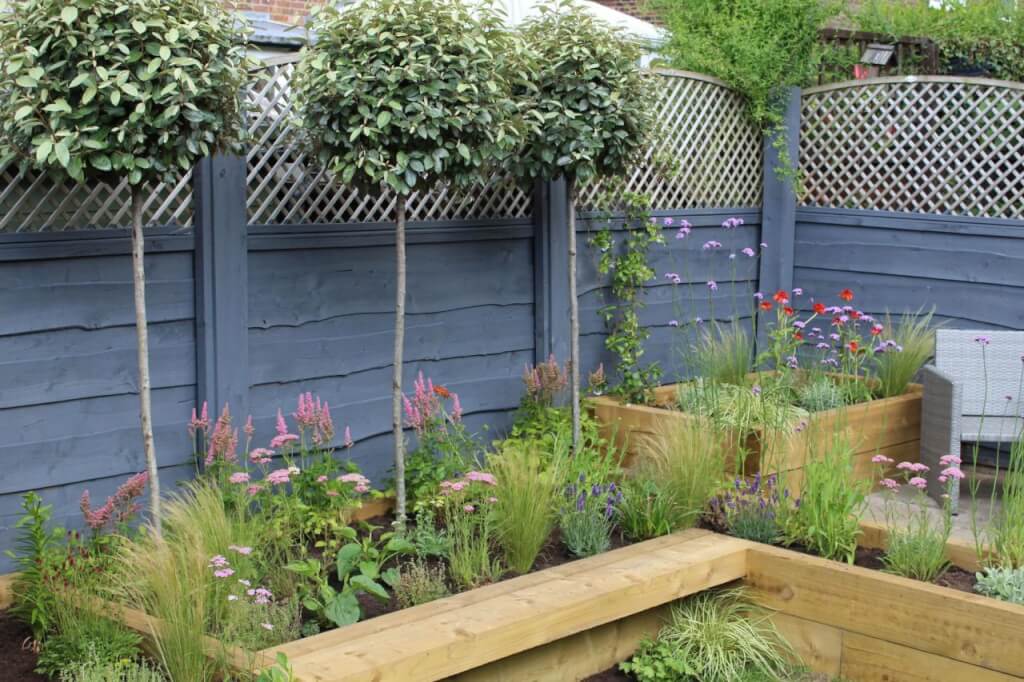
{"points": [[279, 477], [482, 477], [221, 567], [544, 382], [473, 496], [314, 417], [239, 477], [952, 470], [261, 456], [119, 507], [362, 483], [425, 408]]}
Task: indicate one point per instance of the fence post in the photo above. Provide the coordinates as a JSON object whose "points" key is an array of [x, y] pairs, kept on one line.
{"points": [[221, 283], [551, 270], [778, 212]]}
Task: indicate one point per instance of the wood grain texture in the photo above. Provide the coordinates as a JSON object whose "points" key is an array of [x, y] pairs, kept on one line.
{"points": [[868, 659], [968, 628], [436, 646]]}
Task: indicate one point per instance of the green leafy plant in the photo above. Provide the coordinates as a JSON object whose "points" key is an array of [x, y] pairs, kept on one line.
{"points": [[406, 94], [420, 582], [590, 102], [820, 394], [626, 263], [715, 635], [647, 510], [36, 555], [94, 669], [826, 517], [84, 635], [1002, 583], [105, 90], [469, 518], [281, 671], [427, 537], [1007, 525], [914, 336]]}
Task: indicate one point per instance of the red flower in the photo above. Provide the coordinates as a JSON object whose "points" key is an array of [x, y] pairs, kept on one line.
{"points": [[855, 314], [798, 336], [819, 308], [846, 295], [853, 346], [766, 305], [876, 329], [781, 296], [788, 310], [443, 392]]}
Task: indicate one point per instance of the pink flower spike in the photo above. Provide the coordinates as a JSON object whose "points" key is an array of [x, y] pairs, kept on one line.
{"points": [[918, 482], [249, 428], [282, 427], [348, 437]]}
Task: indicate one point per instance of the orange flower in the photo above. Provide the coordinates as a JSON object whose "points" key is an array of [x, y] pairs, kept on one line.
{"points": [[781, 296], [443, 392], [798, 336], [819, 308], [853, 346], [846, 295], [788, 310], [766, 305]]}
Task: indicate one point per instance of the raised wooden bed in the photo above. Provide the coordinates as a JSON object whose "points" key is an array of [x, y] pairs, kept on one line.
{"points": [[889, 425], [574, 620]]}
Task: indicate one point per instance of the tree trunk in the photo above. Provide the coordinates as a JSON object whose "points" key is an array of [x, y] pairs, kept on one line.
{"points": [[574, 320], [142, 334], [396, 377]]}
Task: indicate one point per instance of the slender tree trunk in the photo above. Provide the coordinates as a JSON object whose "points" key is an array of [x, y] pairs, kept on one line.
{"points": [[396, 377], [574, 320], [142, 334]]}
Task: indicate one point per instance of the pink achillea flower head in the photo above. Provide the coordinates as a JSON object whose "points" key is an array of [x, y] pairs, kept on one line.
{"points": [[254, 489], [239, 477], [362, 488], [241, 549], [889, 483], [882, 459], [482, 477], [950, 460], [218, 561], [278, 477], [918, 482], [906, 466], [953, 472], [261, 456], [919, 468], [354, 477], [321, 479], [223, 573], [469, 508]]}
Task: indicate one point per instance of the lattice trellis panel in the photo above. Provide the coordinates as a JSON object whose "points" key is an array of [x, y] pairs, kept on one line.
{"points": [[34, 202], [916, 144], [283, 188], [717, 151]]}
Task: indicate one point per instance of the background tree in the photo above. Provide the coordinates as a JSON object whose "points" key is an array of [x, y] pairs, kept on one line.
{"points": [[594, 107], [105, 90], [402, 95]]}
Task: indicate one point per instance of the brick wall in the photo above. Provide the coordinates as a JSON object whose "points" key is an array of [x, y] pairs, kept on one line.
{"points": [[634, 7], [282, 11]]}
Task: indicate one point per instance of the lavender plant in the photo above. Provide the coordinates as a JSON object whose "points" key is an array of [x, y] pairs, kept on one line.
{"points": [[750, 509], [588, 516]]}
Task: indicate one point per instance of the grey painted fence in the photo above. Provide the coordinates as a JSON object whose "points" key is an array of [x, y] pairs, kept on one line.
{"points": [[254, 314]]}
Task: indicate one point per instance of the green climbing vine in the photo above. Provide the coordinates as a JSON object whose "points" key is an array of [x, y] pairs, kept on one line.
{"points": [[625, 262]]}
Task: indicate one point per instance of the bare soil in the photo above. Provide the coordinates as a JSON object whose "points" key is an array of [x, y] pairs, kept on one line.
{"points": [[17, 660]]}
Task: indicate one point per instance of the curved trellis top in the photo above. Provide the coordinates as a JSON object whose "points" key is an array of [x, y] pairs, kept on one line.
{"points": [[283, 188], [715, 150], [924, 144]]}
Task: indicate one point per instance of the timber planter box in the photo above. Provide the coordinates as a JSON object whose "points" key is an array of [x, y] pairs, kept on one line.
{"points": [[575, 620], [888, 425]]}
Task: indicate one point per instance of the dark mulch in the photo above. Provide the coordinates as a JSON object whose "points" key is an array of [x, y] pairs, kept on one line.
{"points": [[954, 578], [17, 661], [610, 675]]}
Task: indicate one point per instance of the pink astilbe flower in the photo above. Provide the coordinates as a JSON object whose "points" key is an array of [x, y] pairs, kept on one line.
{"points": [[544, 382], [199, 422], [223, 441], [425, 409], [249, 428], [456, 408], [119, 507], [348, 438], [282, 437]]}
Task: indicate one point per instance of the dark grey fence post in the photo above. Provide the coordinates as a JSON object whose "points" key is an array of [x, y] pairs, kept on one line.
{"points": [[221, 276], [778, 210], [551, 270]]}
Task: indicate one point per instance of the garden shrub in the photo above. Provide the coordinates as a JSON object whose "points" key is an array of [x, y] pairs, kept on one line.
{"points": [[420, 582], [1002, 583]]}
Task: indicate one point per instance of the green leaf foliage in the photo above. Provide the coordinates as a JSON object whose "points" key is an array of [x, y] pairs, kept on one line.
{"points": [[108, 89], [760, 47], [591, 102], [406, 93]]}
